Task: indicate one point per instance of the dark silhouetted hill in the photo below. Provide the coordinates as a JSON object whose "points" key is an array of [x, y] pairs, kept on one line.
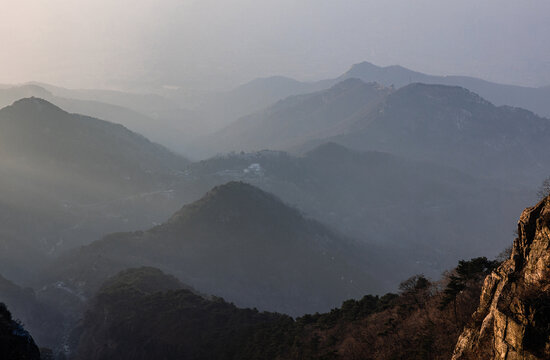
{"points": [[425, 216], [151, 317], [238, 242]]}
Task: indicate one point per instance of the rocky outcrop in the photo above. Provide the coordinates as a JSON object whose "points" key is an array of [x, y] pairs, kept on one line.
{"points": [[513, 318]]}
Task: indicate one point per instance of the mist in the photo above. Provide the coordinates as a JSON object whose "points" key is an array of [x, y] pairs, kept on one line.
{"points": [[205, 45], [278, 179]]}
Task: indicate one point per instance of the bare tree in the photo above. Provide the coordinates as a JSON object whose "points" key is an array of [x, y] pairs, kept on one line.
{"points": [[544, 189]]}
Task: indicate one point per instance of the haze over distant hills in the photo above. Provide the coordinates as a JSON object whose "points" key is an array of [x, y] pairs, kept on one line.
{"points": [[153, 116], [298, 119], [444, 124], [69, 178], [176, 118], [272, 89], [222, 108], [530, 98], [239, 243], [453, 126], [407, 207], [377, 182]]}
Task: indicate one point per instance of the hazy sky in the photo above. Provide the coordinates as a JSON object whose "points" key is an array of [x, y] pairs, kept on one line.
{"points": [[198, 43]]}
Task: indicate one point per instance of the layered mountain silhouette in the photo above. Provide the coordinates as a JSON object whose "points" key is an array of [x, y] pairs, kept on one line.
{"points": [[426, 215], [35, 130], [534, 99], [444, 124], [240, 243], [143, 313], [299, 119], [453, 126], [69, 178], [153, 116], [263, 92], [222, 108]]}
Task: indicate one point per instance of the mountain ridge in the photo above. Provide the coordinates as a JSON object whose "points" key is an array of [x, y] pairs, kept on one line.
{"points": [[72, 178], [240, 243]]}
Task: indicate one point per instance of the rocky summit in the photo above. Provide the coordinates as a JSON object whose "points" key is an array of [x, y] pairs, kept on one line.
{"points": [[512, 320]]}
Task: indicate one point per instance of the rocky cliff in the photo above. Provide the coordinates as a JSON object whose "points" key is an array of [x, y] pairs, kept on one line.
{"points": [[513, 318]]}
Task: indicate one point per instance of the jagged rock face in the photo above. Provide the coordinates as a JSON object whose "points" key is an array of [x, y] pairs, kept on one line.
{"points": [[513, 318]]}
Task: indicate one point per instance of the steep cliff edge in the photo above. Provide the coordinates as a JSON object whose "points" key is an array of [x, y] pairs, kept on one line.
{"points": [[513, 318]]}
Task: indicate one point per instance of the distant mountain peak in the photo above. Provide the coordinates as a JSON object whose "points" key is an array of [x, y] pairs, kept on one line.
{"points": [[146, 280], [364, 65], [233, 199], [232, 187], [36, 103], [329, 148]]}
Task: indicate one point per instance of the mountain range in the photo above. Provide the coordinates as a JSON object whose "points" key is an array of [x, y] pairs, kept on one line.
{"points": [[69, 178], [223, 108], [262, 92], [155, 117], [425, 319], [530, 98], [363, 185], [298, 119], [443, 124], [176, 118], [432, 214], [240, 243]]}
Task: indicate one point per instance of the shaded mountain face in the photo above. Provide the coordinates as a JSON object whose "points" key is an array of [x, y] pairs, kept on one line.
{"points": [[423, 216], [240, 243], [34, 130], [153, 116], [453, 126], [533, 99], [15, 341], [298, 119], [513, 315], [142, 314], [68, 179]]}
